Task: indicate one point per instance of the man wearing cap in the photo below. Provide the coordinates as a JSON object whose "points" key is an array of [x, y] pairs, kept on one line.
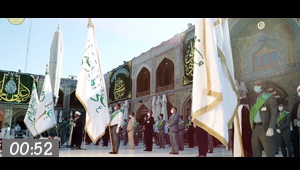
{"points": [[115, 124], [295, 118], [263, 116], [77, 130]]}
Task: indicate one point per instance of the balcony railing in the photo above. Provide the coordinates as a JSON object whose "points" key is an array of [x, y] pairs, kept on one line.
{"points": [[144, 93], [164, 88]]}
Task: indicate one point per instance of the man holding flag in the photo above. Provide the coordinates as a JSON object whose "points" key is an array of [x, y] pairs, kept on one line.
{"points": [[91, 90], [215, 98], [115, 125]]}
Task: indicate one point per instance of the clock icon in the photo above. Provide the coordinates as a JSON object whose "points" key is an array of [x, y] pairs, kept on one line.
{"points": [[16, 21]]}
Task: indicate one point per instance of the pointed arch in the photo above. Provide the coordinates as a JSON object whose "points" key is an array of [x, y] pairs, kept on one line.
{"points": [[61, 97], [143, 83], [165, 75], [74, 102]]}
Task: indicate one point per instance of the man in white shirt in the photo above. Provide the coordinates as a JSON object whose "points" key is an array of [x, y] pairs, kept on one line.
{"points": [[115, 124]]}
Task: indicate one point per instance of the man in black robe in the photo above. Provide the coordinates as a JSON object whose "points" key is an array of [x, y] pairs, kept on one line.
{"points": [[77, 131], [244, 112]]}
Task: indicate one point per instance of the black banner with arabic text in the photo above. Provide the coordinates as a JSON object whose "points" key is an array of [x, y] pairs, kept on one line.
{"points": [[120, 83], [188, 55], [16, 87]]}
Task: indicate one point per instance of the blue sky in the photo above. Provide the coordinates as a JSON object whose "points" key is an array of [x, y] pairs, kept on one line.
{"points": [[119, 39]]}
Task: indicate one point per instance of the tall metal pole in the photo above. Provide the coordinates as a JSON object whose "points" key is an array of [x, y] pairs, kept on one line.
{"points": [[28, 46]]}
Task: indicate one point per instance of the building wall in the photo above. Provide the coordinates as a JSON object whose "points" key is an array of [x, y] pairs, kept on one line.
{"points": [[280, 34]]}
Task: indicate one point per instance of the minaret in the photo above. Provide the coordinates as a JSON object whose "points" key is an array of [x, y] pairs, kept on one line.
{"points": [[55, 64]]}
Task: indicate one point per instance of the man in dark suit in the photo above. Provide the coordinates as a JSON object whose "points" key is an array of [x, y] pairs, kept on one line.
{"points": [[148, 126], [191, 132], [263, 116], [77, 130], [105, 137], [295, 118], [201, 137], [283, 131], [181, 133], [173, 125], [136, 133]]}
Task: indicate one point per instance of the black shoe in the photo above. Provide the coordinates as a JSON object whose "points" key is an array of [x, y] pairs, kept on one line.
{"points": [[113, 153], [147, 150], [171, 153], [175, 153]]}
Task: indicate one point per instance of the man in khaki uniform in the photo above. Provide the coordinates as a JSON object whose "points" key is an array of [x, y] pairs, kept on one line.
{"points": [[130, 130], [161, 131]]}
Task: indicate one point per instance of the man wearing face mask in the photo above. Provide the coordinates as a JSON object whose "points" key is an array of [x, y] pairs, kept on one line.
{"points": [[295, 118], [173, 125], [283, 131], [148, 124], [115, 124], [263, 116], [130, 130]]}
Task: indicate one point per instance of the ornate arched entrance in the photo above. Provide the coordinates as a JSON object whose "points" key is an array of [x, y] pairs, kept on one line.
{"points": [[1, 120], [187, 108], [141, 113]]}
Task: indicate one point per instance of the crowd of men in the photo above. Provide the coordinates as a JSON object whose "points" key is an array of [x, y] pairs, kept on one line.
{"points": [[266, 126]]}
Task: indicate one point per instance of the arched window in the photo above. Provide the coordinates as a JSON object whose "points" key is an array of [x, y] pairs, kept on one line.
{"points": [[74, 102], [60, 102], [265, 58], [143, 83], [165, 76]]}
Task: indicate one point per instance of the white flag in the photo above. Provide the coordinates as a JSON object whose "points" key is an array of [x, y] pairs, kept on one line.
{"points": [[91, 90], [45, 117], [215, 98], [238, 150], [32, 110]]}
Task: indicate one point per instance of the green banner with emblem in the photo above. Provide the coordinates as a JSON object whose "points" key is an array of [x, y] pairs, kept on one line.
{"points": [[16, 87], [120, 83]]}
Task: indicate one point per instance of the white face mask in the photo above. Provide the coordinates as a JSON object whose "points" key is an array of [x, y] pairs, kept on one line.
{"points": [[172, 111], [299, 93], [280, 109], [148, 114], [257, 89], [115, 107]]}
